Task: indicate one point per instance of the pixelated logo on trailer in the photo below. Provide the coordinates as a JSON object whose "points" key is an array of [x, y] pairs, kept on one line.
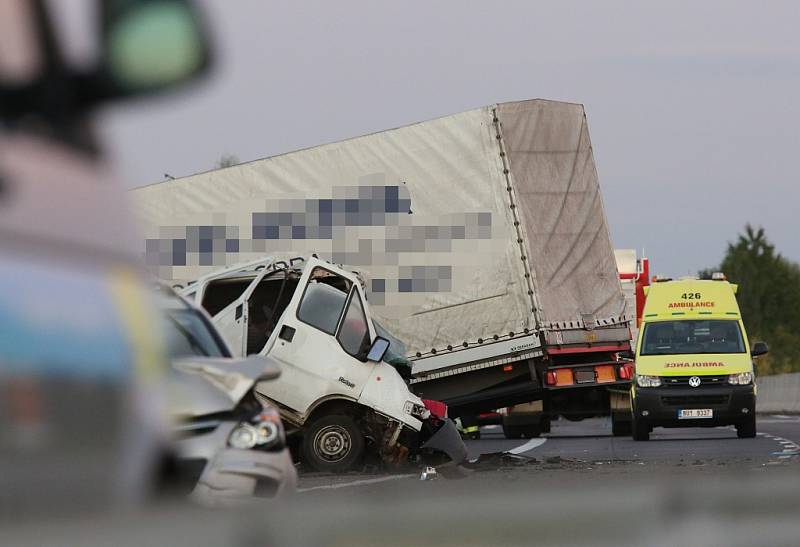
{"points": [[360, 226]]}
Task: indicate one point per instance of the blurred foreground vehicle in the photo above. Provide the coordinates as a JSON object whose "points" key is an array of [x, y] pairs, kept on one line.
{"points": [[312, 319], [230, 445], [80, 360]]}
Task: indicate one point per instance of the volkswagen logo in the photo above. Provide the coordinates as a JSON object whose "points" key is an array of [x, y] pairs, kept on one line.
{"points": [[694, 381]]}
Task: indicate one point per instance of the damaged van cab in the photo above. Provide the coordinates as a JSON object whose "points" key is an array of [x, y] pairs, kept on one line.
{"points": [[312, 318], [694, 366]]}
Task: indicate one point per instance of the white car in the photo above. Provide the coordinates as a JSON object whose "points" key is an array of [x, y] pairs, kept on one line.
{"points": [[229, 445]]}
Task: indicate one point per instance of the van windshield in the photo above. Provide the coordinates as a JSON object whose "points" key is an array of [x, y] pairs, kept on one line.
{"points": [[692, 336]]}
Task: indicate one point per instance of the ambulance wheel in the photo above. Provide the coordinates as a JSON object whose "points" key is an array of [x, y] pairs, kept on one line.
{"points": [[746, 429], [620, 425], [333, 444], [640, 430]]}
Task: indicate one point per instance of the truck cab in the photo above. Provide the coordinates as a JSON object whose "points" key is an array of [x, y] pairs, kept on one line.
{"points": [[312, 318], [694, 365]]}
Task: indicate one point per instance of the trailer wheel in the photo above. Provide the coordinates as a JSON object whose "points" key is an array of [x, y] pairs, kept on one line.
{"points": [[518, 431], [746, 429], [620, 424], [640, 429], [544, 425], [511, 432], [333, 444]]}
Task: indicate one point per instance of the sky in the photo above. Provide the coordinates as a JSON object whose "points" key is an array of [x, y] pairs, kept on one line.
{"points": [[693, 107]]}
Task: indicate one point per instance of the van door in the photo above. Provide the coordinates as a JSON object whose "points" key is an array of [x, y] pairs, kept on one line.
{"points": [[321, 341], [231, 321]]}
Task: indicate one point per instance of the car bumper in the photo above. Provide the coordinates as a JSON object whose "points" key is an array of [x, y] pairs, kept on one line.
{"points": [[232, 475], [661, 406]]}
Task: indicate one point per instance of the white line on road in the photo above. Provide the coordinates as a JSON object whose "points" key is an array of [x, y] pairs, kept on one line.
{"points": [[362, 482], [530, 445]]}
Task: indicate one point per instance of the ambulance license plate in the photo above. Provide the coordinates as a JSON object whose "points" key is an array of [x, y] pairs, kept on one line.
{"points": [[695, 413]]}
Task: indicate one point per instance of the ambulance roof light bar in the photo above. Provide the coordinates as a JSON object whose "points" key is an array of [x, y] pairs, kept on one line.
{"points": [[718, 276], [661, 278]]}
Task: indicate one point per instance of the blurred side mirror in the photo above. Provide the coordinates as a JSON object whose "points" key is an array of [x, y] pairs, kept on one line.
{"points": [[759, 348], [378, 349], [151, 45]]}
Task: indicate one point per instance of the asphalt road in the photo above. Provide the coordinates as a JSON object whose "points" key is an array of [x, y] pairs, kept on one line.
{"points": [[591, 440], [576, 486], [587, 445]]}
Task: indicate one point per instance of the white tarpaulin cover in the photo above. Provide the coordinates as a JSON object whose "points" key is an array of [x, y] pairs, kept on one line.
{"points": [[425, 213]]}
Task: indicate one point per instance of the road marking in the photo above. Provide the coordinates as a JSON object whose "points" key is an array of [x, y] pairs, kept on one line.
{"points": [[530, 445], [362, 482], [790, 449]]}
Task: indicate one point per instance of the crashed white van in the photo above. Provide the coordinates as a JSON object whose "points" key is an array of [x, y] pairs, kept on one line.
{"points": [[312, 318]]}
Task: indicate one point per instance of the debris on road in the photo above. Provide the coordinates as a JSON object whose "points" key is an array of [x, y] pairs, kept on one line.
{"points": [[428, 474]]}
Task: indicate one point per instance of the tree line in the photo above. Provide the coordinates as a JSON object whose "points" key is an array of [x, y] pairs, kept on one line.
{"points": [[768, 295]]}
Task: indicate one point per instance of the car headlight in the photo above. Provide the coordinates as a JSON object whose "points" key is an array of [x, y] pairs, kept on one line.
{"points": [[243, 436], [264, 430], [740, 379], [643, 380], [417, 410]]}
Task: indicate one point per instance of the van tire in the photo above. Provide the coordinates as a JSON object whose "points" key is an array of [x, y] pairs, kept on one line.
{"points": [[333, 444], [746, 429], [640, 430]]}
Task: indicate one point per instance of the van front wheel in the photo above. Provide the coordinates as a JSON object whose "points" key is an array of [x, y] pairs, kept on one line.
{"points": [[746, 429], [333, 444]]}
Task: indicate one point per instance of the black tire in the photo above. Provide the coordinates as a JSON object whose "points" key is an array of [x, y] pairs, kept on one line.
{"points": [[746, 429], [640, 430], [544, 425], [333, 444], [518, 431], [512, 432], [621, 425], [473, 436]]}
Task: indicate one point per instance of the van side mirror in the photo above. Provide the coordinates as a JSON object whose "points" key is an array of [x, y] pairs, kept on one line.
{"points": [[759, 348], [151, 45], [378, 349]]}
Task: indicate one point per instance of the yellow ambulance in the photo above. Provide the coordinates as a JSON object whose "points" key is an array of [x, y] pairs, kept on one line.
{"points": [[694, 366]]}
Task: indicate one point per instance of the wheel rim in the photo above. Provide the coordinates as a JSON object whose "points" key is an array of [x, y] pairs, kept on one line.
{"points": [[332, 443]]}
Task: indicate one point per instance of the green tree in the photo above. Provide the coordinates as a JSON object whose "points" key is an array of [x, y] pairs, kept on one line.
{"points": [[769, 297]]}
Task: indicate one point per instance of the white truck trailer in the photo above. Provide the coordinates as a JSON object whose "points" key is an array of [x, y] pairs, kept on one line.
{"points": [[481, 235]]}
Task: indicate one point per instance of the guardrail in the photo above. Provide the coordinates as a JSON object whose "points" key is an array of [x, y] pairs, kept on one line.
{"points": [[779, 393]]}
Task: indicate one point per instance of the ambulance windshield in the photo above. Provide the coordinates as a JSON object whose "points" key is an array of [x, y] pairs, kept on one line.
{"points": [[692, 336]]}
